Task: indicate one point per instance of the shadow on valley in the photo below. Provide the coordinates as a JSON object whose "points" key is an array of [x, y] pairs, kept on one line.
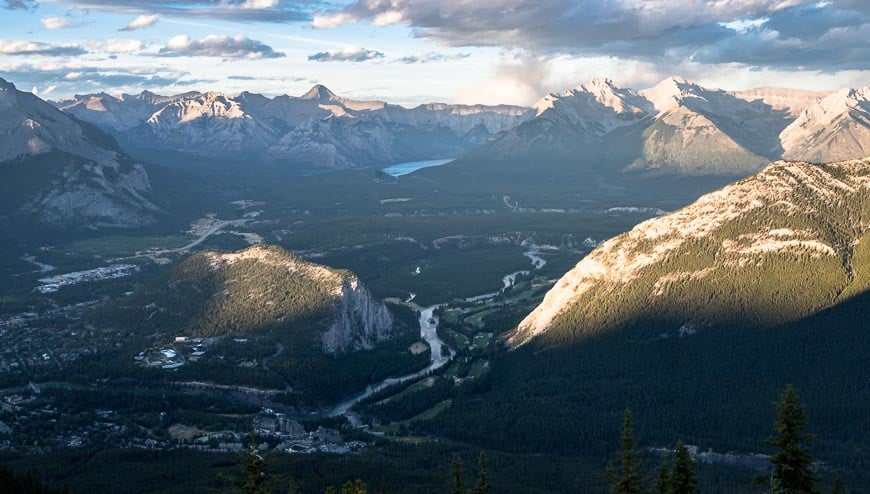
{"points": [[712, 389]]}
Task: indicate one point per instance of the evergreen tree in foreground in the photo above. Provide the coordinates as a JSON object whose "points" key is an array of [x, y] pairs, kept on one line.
{"points": [[663, 477], [793, 463], [254, 479], [838, 487], [482, 486], [682, 479], [457, 484], [628, 479]]}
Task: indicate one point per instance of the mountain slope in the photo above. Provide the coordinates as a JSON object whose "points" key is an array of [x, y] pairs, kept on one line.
{"points": [[269, 320], [258, 290], [64, 172], [696, 320], [800, 224], [836, 127]]}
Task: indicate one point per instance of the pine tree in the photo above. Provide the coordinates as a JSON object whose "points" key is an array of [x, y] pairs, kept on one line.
{"points": [[383, 487], [838, 487], [663, 477], [683, 476], [793, 463], [628, 479], [254, 479], [457, 485], [482, 486]]}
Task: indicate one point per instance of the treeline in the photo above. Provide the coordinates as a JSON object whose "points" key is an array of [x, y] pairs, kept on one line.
{"points": [[17, 483], [793, 470], [410, 404]]}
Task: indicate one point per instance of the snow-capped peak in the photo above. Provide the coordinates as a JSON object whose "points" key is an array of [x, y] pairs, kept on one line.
{"points": [[669, 93], [599, 106]]}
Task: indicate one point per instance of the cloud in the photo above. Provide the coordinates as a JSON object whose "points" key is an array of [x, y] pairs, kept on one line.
{"points": [[519, 79], [141, 22], [274, 11], [32, 48], [116, 45], [53, 22], [19, 4], [432, 57], [347, 55], [797, 34], [68, 79], [258, 4], [219, 46]]}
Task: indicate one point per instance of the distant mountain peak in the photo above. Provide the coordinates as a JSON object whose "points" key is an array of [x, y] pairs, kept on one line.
{"points": [[668, 93], [319, 92], [598, 83], [6, 85]]}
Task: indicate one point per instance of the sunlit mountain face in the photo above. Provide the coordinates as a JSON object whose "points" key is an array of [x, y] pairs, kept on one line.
{"points": [[522, 247]]}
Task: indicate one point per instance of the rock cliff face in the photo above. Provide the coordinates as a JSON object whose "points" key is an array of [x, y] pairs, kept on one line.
{"points": [[361, 321], [65, 172], [771, 248]]}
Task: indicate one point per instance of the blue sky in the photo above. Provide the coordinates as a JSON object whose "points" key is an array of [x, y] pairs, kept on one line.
{"points": [[415, 51]]}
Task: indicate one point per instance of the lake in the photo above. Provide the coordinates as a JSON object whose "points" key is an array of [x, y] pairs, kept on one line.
{"points": [[400, 169]]}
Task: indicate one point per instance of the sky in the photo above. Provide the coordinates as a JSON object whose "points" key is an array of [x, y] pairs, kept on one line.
{"points": [[416, 51]]}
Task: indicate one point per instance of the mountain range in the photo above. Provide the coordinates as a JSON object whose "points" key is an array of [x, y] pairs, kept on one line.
{"points": [[317, 129], [61, 171], [675, 127], [679, 127], [597, 136]]}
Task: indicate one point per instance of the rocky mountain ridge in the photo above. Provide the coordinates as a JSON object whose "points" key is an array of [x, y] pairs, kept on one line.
{"points": [[65, 172], [801, 226], [679, 127]]}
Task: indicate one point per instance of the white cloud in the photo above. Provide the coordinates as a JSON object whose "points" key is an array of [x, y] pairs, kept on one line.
{"points": [[272, 11], [764, 33], [53, 22], [116, 45], [332, 20], [359, 54], [142, 22], [219, 46], [15, 47], [259, 4], [432, 57]]}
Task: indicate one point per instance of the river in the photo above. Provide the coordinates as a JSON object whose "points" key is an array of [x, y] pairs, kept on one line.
{"points": [[429, 332], [400, 169]]}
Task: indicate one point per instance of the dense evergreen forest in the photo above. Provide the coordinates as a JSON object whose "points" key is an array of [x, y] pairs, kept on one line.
{"points": [[633, 470], [711, 389]]}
